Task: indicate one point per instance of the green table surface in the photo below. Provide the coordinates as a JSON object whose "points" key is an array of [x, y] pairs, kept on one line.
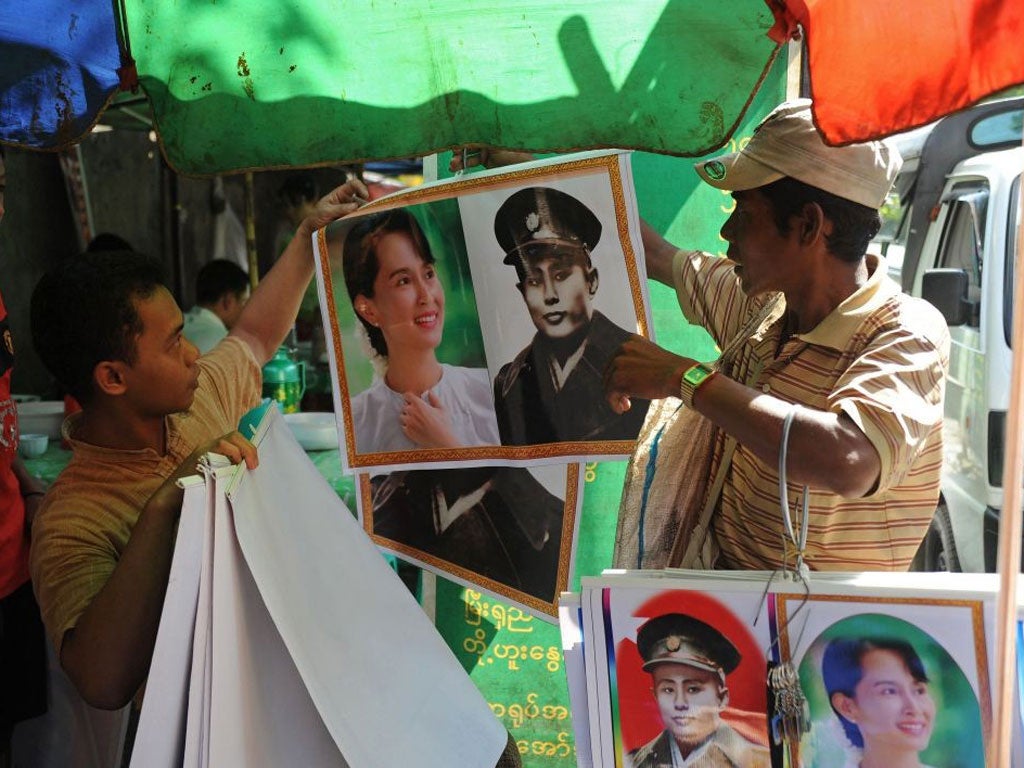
{"points": [[49, 465]]}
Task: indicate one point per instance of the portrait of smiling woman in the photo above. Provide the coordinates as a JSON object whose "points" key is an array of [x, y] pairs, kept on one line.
{"points": [[416, 401], [884, 692], [880, 691]]}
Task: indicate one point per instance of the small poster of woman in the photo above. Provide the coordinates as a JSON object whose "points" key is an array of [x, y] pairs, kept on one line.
{"points": [[883, 691]]}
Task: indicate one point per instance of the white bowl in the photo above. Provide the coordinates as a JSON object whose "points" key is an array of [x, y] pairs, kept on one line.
{"points": [[32, 446], [314, 431], [41, 418]]}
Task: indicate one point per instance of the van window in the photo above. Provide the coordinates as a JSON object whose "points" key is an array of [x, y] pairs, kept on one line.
{"points": [[963, 245], [891, 240], [1000, 130], [1012, 232]]}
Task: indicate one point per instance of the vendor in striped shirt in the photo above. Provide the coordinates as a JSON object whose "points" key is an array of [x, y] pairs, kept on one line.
{"points": [[865, 363]]}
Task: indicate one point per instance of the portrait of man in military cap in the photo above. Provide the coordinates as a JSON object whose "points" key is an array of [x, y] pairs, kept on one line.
{"points": [[552, 390], [689, 662]]}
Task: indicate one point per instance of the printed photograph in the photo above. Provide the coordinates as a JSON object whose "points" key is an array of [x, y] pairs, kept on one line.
{"points": [[509, 531], [687, 673], [893, 684], [551, 259]]}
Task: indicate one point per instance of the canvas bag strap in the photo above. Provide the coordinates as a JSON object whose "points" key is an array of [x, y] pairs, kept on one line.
{"points": [[695, 542], [698, 535]]}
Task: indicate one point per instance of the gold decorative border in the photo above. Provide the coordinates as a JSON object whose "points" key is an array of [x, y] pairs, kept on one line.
{"points": [[547, 608]]}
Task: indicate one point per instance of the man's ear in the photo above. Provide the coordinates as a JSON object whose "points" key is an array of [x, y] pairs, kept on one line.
{"points": [[844, 705], [224, 305], [592, 280], [109, 378], [723, 696], [813, 224]]}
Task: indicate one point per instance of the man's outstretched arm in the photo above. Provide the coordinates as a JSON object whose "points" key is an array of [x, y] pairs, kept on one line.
{"points": [[271, 311]]}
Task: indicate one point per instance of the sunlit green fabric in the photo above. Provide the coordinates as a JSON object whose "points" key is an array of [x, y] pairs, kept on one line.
{"points": [[261, 84]]}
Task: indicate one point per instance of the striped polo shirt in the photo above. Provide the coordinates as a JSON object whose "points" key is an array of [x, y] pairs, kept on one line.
{"points": [[880, 357]]}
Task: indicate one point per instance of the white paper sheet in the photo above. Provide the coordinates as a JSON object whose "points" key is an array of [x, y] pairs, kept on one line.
{"points": [[570, 622], [388, 689], [160, 739], [197, 720], [260, 715]]}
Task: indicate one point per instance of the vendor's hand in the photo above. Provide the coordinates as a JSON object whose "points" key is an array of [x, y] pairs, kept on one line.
{"points": [[426, 422], [642, 369], [488, 157], [337, 203]]}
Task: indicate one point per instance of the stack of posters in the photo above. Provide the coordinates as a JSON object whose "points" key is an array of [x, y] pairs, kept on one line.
{"points": [[886, 667], [285, 639], [469, 323]]}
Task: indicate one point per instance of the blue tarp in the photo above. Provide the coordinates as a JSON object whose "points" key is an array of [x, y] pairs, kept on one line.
{"points": [[58, 69]]}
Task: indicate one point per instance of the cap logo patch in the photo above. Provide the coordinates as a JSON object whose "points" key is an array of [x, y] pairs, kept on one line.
{"points": [[673, 643], [533, 222], [715, 169]]}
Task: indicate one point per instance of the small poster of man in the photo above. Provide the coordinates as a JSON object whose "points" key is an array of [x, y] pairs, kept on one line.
{"points": [[685, 677], [555, 250], [508, 531]]}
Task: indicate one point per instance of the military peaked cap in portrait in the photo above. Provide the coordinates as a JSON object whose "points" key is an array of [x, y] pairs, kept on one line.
{"points": [[542, 215], [675, 638]]}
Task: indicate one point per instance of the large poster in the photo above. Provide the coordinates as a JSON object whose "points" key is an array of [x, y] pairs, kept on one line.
{"points": [[472, 319]]}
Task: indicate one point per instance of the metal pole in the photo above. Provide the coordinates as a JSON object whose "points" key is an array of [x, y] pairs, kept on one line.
{"points": [[250, 232], [1010, 524]]}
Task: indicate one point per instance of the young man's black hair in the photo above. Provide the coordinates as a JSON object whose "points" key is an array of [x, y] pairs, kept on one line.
{"points": [[85, 313]]}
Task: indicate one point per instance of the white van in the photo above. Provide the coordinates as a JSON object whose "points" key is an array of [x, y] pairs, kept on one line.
{"points": [[956, 238]]}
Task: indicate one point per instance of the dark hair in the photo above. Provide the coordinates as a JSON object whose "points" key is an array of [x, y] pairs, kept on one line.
{"points": [[842, 670], [359, 259], [83, 313], [217, 278], [108, 241], [853, 224], [298, 188]]}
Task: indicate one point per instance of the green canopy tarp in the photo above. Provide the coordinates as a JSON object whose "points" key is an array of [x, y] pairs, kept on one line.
{"points": [[313, 81]]}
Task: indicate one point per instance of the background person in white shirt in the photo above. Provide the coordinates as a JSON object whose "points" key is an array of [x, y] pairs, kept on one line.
{"points": [[222, 288]]}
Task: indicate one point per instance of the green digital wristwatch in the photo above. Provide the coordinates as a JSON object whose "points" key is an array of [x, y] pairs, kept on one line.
{"points": [[693, 378]]}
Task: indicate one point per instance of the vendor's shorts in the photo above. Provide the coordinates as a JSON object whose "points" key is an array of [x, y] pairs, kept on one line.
{"points": [[22, 658]]}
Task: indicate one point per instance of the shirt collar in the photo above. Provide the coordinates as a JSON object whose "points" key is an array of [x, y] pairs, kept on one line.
{"points": [[197, 312], [841, 323]]}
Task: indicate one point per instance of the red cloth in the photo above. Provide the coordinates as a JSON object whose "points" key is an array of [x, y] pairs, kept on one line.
{"points": [[879, 67], [13, 542]]}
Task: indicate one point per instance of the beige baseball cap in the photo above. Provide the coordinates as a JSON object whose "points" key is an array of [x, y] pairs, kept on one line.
{"points": [[786, 143]]}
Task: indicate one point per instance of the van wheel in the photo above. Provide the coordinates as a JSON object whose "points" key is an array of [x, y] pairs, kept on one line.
{"points": [[938, 551]]}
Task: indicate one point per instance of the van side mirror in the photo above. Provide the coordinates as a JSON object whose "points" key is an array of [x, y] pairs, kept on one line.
{"points": [[946, 289]]}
